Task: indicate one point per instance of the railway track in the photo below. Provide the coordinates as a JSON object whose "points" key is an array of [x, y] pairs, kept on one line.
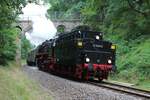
{"points": [[123, 89]]}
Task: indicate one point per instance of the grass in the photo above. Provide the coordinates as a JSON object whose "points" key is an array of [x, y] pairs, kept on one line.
{"points": [[133, 63], [14, 85]]}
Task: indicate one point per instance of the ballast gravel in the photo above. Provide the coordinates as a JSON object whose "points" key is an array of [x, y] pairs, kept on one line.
{"points": [[65, 89]]}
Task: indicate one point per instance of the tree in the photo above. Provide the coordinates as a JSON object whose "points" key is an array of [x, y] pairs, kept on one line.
{"points": [[127, 17], [8, 47], [64, 9], [9, 10]]}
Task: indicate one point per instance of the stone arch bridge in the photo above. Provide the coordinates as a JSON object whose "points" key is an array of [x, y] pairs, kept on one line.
{"points": [[69, 24], [27, 25]]}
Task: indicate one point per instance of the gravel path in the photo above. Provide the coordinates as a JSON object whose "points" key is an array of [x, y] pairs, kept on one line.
{"points": [[64, 89]]}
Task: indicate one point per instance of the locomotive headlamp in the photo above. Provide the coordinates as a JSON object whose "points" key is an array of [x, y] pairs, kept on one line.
{"points": [[79, 44], [87, 59], [113, 47], [80, 32], [97, 37], [109, 61]]}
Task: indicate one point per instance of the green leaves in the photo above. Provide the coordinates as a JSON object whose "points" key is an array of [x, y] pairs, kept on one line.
{"points": [[64, 9], [123, 15], [25, 47], [7, 47], [9, 10]]}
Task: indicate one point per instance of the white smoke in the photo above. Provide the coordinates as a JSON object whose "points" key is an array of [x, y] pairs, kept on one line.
{"points": [[43, 28]]}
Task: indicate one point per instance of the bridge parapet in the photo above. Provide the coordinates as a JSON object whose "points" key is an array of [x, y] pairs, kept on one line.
{"points": [[57, 15], [25, 23]]}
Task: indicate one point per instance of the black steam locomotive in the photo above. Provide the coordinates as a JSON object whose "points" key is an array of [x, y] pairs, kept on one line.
{"points": [[80, 54]]}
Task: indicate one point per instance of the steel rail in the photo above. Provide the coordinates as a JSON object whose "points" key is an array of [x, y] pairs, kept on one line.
{"points": [[129, 87], [122, 88]]}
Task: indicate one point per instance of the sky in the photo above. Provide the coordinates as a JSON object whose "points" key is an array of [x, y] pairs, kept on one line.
{"points": [[43, 28]]}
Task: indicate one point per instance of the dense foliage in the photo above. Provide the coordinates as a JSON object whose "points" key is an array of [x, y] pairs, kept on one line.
{"points": [[25, 47], [7, 47], [9, 11], [125, 22], [130, 18], [64, 9]]}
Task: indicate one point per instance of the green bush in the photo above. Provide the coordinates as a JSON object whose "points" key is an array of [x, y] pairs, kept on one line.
{"points": [[8, 47]]}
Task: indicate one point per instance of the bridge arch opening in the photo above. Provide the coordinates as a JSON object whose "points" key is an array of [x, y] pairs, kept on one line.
{"points": [[61, 28]]}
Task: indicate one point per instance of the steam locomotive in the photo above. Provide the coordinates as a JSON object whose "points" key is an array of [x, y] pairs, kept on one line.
{"points": [[80, 54]]}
